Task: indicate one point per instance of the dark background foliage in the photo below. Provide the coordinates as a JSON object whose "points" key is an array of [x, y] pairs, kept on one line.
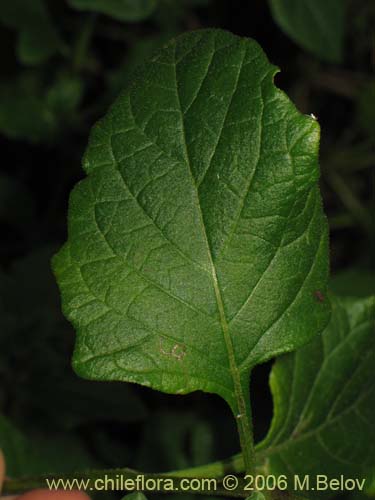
{"points": [[61, 68]]}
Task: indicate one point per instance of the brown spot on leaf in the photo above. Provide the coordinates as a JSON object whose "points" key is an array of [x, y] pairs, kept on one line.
{"points": [[319, 296]]}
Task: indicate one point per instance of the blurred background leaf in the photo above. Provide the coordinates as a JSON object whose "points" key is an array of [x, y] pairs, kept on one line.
{"points": [[38, 38], [38, 455], [31, 111], [316, 25], [123, 10], [24, 113]]}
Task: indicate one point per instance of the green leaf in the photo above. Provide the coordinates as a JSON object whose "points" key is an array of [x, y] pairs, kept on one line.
{"points": [[123, 10], [38, 40], [32, 328], [38, 455], [324, 397], [64, 96], [33, 112], [370, 485], [315, 25], [197, 242], [171, 16], [24, 113]]}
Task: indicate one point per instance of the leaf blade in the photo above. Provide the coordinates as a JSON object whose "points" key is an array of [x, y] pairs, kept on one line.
{"points": [[318, 424], [193, 148]]}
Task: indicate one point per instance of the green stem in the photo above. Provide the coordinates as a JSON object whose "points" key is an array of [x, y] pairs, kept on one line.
{"points": [[19, 486], [232, 465], [119, 476], [83, 43], [241, 406], [245, 431], [240, 403]]}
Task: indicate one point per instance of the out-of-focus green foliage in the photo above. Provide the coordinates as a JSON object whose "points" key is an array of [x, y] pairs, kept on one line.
{"points": [[30, 299], [24, 113], [370, 490], [316, 25], [39, 455], [123, 10], [32, 111], [38, 38]]}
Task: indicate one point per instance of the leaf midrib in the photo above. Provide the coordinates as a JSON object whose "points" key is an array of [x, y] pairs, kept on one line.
{"points": [[236, 378]]}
